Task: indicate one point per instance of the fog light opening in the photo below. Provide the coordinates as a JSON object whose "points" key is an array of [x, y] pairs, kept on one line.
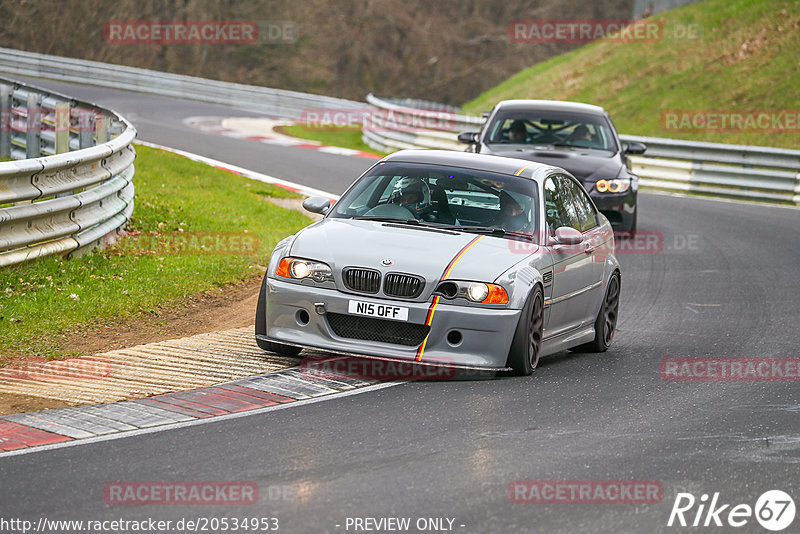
{"points": [[454, 337], [449, 290], [302, 317]]}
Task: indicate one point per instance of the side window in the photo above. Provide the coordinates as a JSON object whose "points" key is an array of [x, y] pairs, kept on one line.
{"points": [[559, 204], [584, 207]]}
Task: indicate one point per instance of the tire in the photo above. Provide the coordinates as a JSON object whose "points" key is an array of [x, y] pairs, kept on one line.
{"points": [[635, 221], [261, 327], [630, 229], [605, 326], [526, 347]]}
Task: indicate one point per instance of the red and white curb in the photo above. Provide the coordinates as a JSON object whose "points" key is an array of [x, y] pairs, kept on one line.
{"points": [[67, 426], [215, 125]]}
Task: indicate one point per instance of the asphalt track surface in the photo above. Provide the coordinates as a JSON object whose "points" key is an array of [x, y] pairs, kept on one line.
{"points": [[725, 284]]}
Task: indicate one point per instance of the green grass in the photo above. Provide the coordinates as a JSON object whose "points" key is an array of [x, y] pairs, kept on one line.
{"points": [[745, 59], [41, 300], [331, 136]]}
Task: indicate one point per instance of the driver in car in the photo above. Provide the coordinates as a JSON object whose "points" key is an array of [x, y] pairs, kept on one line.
{"points": [[581, 133], [412, 194], [512, 216], [517, 132]]}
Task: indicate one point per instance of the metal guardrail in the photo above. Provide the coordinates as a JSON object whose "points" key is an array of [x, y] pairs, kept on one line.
{"points": [[735, 171], [732, 171], [277, 102], [72, 186]]}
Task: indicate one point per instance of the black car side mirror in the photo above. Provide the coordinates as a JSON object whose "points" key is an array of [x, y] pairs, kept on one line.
{"points": [[634, 148], [319, 205], [468, 138]]}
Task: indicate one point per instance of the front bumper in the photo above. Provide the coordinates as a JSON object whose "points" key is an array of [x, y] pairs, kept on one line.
{"points": [[485, 333], [620, 209]]}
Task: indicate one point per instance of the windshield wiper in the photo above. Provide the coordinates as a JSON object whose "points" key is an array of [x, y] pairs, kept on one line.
{"points": [[489, 230], [397, 220]]}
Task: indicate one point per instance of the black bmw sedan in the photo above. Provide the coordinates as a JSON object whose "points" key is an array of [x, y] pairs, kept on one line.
{"points": [[577, 137]]}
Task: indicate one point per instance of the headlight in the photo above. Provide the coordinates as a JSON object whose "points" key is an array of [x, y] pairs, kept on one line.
{"points": [[477, 292], [473, 291], [612, 186], [298, 269]]}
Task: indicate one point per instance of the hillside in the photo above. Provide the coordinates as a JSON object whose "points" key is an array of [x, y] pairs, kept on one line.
{"points": [[447, 51], [745, 60]]}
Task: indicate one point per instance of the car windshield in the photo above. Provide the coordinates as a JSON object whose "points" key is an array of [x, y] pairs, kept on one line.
{"points": [[552, 128], [445, 197]]}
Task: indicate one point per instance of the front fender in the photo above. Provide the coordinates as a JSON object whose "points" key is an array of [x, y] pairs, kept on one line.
{"points": [[281, 249]]}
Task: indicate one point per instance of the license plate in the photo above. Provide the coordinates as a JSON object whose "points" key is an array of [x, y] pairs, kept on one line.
{"points": [[384, 311]]}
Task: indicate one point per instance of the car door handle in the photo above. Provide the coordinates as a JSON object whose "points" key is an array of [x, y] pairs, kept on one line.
{"points": [[589, 248]]}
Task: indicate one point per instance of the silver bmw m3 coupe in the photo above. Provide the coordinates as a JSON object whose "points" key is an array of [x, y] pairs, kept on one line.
{"points": [[447, 258]]}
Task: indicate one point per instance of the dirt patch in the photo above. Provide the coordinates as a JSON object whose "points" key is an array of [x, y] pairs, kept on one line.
{"points": [[234, 306], [10, 403], [228, 307]]}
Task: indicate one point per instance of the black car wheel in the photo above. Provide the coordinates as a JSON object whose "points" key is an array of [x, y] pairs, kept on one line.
{"points": [[526, 347], [634, 222], [605, 326]]}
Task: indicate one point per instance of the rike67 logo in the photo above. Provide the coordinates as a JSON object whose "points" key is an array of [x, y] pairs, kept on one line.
{"points": [[774, 510]]}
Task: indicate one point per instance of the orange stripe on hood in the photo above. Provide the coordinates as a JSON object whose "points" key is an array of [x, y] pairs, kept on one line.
{"points": [[432, 309]]}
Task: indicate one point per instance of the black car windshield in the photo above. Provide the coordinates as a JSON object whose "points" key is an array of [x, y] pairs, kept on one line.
{"points": [[552, 128], [437, 195]]}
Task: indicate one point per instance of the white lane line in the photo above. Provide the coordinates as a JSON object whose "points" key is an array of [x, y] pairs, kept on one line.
{"points": [[247, 173], [195, 422]]}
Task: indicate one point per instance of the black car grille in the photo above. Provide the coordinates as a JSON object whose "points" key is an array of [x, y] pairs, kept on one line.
{"points": [[362, 280], [371, 329], [402, 285]]}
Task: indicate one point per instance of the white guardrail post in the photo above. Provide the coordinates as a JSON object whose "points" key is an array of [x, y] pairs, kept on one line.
{"points": [[71, 187], [716, 169], [5, 121]]}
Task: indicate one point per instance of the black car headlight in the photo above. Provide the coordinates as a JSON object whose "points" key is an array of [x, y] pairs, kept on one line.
{"points": [[612, 186], [298, 269]]}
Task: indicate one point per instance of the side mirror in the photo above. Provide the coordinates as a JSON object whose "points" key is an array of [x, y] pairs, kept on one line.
{"points": [[468, 138], [634, 148], [319, 205], [566, 235]]}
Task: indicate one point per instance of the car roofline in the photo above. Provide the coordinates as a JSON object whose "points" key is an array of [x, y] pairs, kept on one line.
{"points": [[468, 160], [545, 105]]}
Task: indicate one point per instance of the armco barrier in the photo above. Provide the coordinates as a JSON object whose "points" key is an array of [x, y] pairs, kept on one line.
{"points": [[276, 102], [733, 171], [72, 184]]}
